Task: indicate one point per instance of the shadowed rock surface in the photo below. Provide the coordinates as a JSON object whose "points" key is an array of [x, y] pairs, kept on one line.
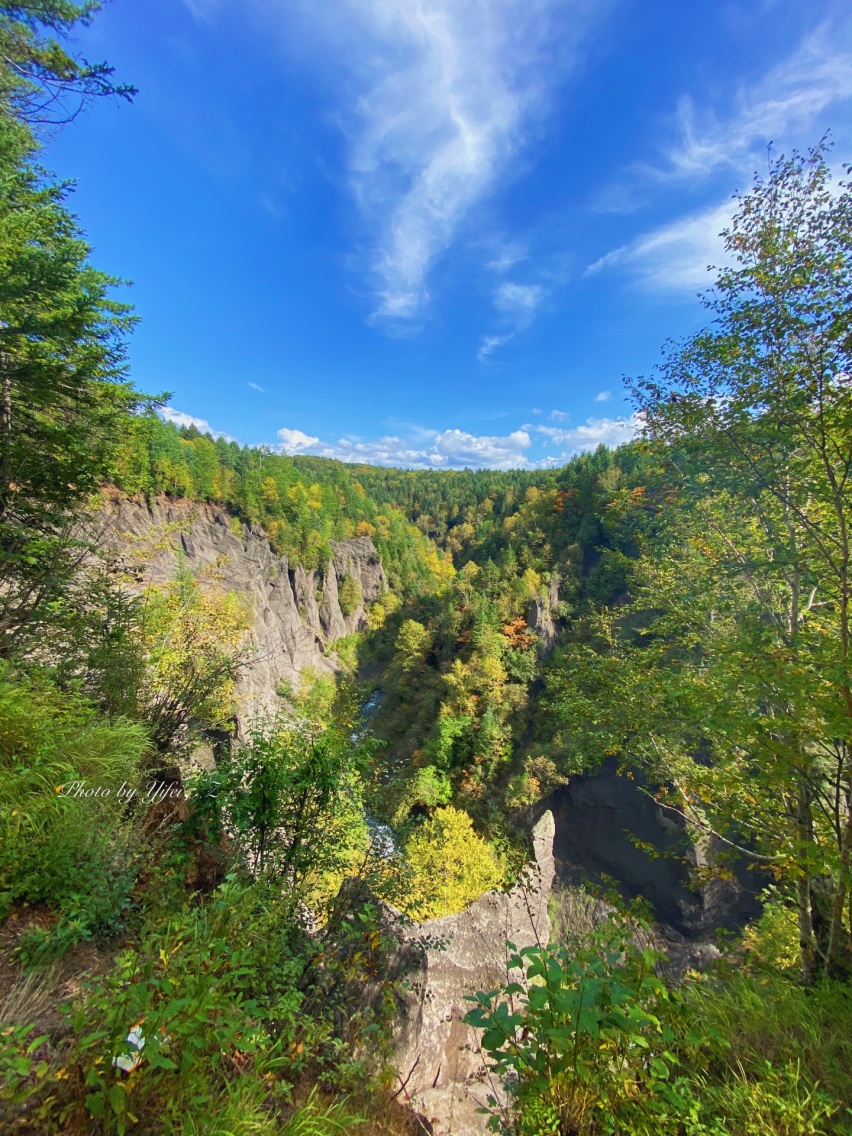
{"points": [[295, 615], [602, 822], [436, 1054]]}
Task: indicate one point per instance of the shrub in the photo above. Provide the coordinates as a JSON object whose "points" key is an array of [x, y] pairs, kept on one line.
{"points": [[65, 841], [349, 594], [451, 866], [292, 798], [590, 1042], [578, 1036]]}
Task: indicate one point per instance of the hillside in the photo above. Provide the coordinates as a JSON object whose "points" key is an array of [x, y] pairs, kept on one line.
{"points": [[340, 798]]}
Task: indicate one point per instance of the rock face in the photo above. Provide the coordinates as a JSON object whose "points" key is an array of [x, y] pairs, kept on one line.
{"points": [[437, 1056], [295, 615], [541, 617], [606, 826]]}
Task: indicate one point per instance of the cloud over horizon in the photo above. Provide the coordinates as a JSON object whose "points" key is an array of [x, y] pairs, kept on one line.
{"points": [[179, 418]]}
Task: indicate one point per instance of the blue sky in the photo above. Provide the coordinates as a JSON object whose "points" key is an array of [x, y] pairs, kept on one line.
{"points": [[432, 232]]}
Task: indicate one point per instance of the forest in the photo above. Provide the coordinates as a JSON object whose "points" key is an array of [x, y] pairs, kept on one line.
{"points": [[213, 958]]}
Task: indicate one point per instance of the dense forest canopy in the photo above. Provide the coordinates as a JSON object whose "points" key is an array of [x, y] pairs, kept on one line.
{"points": [[681, 605]]}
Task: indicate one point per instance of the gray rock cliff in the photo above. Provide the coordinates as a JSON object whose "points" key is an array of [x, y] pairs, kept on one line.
{"points": [[295, 615], [436, 1056]]}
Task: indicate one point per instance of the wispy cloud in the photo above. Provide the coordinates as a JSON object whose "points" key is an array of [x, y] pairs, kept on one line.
{"points": [[179, 418], [603, 396], [520, 301], [202, 9], [517, 305], [781, 107], [490, 343], [676, 256], [255, 387], [442, 97], [786, 106]]}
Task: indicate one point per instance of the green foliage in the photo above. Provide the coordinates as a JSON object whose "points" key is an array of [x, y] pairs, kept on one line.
{"points": [[451, 865], [592, 1043], [63, 404], [412, 642], [64, 838], [773, 939], [40, 81], [349, 594], [729, 675], [293, 799], [22, 1070], [579, 1036], [189, 633], [314, 1119]]}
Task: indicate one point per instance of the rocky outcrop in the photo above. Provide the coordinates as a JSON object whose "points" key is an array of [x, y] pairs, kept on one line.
{"points": [[541, 615], [609, 831], [296, 616], [438, 1063]]}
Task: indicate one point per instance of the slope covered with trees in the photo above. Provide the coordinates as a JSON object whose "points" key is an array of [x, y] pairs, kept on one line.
{"points": [[194, 945]]}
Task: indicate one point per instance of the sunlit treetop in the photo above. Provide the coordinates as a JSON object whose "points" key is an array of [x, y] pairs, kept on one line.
{"points": [[41, 81]]}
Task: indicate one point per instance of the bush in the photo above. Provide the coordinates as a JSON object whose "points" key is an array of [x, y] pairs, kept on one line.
{"points": [[292, 798], [451, 866], [65, 840], [349, 594], [590, 1042], [578, 1037]]}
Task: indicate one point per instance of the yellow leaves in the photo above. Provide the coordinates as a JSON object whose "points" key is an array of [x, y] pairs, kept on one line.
{"points": [[191, 629], [412, 642], [451, 865], [269, 492], [440, 564]]}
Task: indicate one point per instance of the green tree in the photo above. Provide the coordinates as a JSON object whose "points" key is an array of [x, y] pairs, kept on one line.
{"points": [[763, 399], [63, 401], [190, 634], [732, 674], [293, 797], [40, 81]]}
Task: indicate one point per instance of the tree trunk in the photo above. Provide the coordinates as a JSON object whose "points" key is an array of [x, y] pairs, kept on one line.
{"points": [[807, 940], [5, 434]]}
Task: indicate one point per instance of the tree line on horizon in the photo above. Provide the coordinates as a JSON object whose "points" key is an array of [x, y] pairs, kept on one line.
{"points": [[681, 604]]}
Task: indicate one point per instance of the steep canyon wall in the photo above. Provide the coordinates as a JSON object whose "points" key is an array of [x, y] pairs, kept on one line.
{"points": [[295, 615]]}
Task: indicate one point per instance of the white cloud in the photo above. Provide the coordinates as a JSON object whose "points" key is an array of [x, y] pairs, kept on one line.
{"points": [[559, 415], [490, 343], [593, 433], [437, 98], [255, 387], [676, 256], [427, 449], [603, 396], [458, 449], [518, 305], [296, 441], [781, 107], [786, 106], [179, 418], [518, 300]]}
